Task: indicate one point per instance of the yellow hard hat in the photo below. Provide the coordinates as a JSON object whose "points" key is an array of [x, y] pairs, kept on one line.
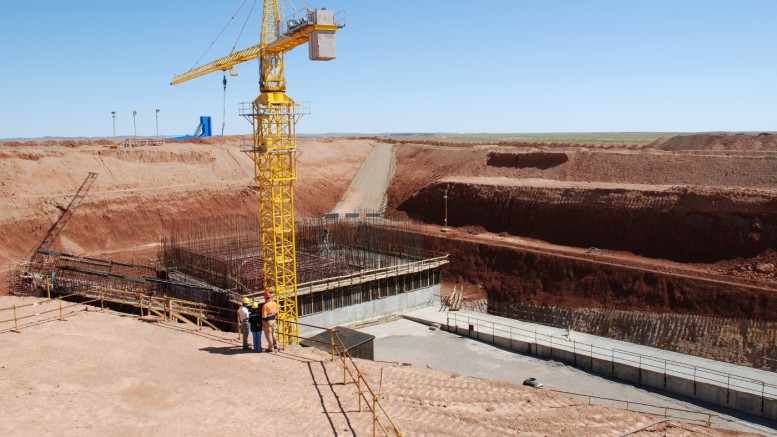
{"points": [[255, 305], [246, 300]]}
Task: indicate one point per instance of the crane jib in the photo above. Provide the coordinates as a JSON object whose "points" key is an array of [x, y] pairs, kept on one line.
{"points": [[281, 45]]}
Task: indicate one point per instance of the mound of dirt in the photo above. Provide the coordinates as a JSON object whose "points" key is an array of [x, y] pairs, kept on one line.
{"points": [[735, 142]]}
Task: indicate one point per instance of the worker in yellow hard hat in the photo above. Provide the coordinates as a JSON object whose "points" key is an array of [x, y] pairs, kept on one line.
{"points": [[255, 322], [242, 316]]}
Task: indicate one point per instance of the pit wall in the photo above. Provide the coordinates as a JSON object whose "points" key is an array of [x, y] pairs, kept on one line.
{"points": [[747, 395], [511, 274], [676, 223], [383, 307]]}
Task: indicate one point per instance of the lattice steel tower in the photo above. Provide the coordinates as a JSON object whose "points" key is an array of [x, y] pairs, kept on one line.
{"points": [[274, 116]]}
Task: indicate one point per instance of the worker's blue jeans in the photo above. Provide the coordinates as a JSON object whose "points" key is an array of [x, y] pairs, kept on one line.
{"points": [[257, 341]]}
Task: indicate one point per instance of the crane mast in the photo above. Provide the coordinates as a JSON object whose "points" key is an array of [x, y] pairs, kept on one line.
{"points": [[274, 116]]}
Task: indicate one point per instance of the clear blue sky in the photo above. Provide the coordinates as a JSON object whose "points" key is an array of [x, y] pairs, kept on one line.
{"points": [[497, 66]]}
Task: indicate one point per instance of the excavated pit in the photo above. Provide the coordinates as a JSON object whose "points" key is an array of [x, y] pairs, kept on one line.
{"points": [[685, 226]]}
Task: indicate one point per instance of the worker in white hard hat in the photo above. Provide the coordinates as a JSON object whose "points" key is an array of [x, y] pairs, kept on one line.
{"points": [[242, 315]]}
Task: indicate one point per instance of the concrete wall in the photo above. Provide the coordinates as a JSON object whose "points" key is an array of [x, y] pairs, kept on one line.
{"points": [[409, 300], [631, 371]]}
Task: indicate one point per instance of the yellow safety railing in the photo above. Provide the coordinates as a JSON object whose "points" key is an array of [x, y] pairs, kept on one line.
{"points": [[168, 308], [338, 348], [16, 318]]}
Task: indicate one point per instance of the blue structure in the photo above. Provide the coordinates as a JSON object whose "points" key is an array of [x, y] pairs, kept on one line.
{"points": [[203, 129]]}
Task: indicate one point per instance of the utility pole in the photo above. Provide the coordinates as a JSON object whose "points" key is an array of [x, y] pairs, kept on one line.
{"points": [[134, 125], [157, 123], [445, 223], [113, 114]]}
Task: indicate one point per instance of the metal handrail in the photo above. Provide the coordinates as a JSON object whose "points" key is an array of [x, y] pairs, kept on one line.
{"points": [[358, 379], [698, 373], [706, 422]]}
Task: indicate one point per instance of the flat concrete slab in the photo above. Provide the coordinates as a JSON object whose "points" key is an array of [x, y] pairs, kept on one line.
{"points": [[742, 378], [406, 341]]}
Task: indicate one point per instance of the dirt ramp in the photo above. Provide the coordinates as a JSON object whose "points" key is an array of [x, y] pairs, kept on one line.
{"points": [[669, 222]]}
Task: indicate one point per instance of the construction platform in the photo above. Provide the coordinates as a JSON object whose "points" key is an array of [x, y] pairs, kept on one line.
{"points": [[348, 271]]}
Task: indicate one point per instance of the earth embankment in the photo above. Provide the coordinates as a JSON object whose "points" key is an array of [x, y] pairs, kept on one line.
{"points": [[697, 224], [140, 192]]}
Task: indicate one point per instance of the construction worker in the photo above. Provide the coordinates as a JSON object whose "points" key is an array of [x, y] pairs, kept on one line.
{"points": [[242, 315], [269, 313], [255, 320]]}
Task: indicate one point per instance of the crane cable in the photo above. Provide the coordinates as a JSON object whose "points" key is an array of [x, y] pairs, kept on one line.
{"points": [[224, 114], [219, 35], [244, 27]]}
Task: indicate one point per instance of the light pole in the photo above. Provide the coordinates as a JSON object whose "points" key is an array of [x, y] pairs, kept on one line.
{"points": [[445, 224], [113, 114], [134, 125], [157, 123]]}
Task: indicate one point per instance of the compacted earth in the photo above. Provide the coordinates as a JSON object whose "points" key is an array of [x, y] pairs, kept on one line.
{"points": [[104, 373]]}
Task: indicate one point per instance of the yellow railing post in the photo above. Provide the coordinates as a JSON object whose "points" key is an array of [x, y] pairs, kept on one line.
{"points": [[48, 286], [200, 319], [374, 417], [102, 300], [345, 367], [359, 388], [15, 321], [332, 335], [60, 308]]}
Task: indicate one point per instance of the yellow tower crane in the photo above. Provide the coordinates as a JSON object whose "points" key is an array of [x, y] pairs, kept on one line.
{"points": [[274, 116]]}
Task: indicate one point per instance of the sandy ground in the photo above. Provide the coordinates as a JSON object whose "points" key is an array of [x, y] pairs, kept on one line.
{"points": [[99, 373]]}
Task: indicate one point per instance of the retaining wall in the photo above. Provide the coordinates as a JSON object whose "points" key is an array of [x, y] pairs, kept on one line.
{"points": [[397, 304], [739, 393]]}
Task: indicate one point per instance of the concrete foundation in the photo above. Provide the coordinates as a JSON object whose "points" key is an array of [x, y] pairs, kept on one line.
{"points": [[419, 298]]}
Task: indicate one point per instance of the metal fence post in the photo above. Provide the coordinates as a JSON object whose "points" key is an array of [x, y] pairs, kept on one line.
{"points": [[763, 389], [359, 388], [332, 336], [374, 417], [345, 367], [60, 308], [15, 321]]}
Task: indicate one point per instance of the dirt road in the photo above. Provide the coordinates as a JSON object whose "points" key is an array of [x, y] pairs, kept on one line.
{"points": [[368, 187]]}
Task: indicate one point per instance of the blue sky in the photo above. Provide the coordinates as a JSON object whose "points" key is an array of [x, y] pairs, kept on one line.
{"points": [[511, 66]]}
